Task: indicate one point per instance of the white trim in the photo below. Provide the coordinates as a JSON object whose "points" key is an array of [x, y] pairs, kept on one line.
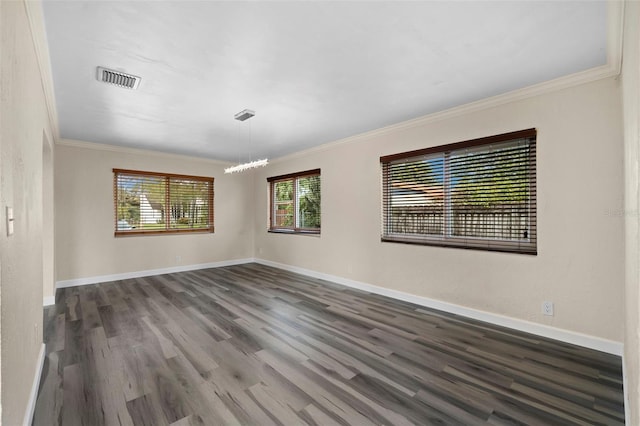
{"points": [[48, 300], [580, 339], [612, 68], [575, 338], [576, 79], [31, 404], [625, 390], [39, 36], [135, 151], [583, 77], [149, 272], [615, 33], [615, 9]]}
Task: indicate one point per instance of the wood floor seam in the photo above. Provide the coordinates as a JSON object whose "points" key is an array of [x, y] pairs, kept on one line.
{"points": [[254, 345]]}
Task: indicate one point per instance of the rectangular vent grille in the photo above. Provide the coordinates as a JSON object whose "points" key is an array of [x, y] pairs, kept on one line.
{"points": [[118, 78], [244, 115]]}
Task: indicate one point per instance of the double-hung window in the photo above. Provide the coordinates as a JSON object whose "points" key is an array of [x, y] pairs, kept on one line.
{"points": [[295, 202], [153, 203], [478, 194]]}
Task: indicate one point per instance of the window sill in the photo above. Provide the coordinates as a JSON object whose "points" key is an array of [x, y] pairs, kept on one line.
{"points": [[294, 232], [119, 234], [482, 245]]}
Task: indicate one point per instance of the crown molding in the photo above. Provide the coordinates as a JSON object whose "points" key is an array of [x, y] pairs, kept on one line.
{"points": [[615, 34], [35, 16], [135, 151], [615, 18], [577, 79]]}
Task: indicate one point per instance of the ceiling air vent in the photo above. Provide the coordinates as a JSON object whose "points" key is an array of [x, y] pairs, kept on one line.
{"points": [[244, 115], [118, 78]]}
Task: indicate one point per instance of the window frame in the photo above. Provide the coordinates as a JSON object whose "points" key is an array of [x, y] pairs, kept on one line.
{"points": [[529, 246], [167, 197], [291, 229]]}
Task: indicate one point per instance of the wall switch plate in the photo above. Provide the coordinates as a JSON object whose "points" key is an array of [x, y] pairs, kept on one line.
{"points": [[10, 221], [547, 308]]}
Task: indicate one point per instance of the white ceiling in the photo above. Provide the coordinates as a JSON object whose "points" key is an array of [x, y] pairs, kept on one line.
{"points": [[314, 72]]}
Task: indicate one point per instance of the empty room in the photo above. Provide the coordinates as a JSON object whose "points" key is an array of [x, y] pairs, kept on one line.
{"points": [[319, 212]]}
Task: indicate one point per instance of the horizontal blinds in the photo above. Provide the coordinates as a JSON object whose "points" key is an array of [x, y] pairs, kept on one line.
{"points": [[150, 202], [190, 204], [140, 203], [414, 196], [475, 196]]}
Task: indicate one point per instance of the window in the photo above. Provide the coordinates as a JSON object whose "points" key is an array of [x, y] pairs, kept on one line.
{"points": [[152, 203], [477, 194], [295, 202]]}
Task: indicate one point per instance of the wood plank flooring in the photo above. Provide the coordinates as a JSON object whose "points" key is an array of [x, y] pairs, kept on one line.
{"points": [[253, 345]]}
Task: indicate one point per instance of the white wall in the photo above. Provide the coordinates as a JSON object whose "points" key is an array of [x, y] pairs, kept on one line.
{"points": [[581, 214], [579, 265], [23, 119], [631, 105], [85, 245]]}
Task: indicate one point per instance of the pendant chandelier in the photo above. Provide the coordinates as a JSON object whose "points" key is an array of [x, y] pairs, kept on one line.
{"points": [[243, 116]]}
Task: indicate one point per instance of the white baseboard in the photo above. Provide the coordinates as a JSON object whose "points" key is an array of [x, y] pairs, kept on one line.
{"points": [[580, 339], [137, 274], [625, 391], [33, 395], [48, 300]]}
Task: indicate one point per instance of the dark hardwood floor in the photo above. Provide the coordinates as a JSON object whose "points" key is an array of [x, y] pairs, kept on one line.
{"points": [[254, 345]]}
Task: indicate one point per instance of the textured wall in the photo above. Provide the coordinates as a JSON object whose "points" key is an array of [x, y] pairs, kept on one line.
{"points": [[579, 265], [23, 123], [85, 245]]}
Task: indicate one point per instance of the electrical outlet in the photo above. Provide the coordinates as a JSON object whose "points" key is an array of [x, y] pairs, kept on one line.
{"points": [[178, 259], [547, 308]]}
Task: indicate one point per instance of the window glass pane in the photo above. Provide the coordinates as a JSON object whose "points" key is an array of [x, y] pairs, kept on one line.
{"points": [[490, 192], [151, 202], [189, 206], [295, 202], [283, 204], [478, 194], [127, 204], [416, 196], [152, 195], [308, 202], [140, 203]]}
